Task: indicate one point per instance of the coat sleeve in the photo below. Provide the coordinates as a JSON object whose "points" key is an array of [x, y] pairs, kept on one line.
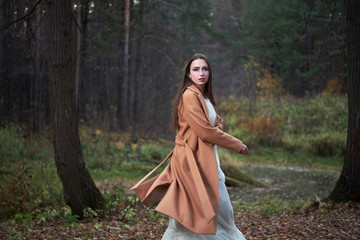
{"points": [[195, 116], [219, 123]]}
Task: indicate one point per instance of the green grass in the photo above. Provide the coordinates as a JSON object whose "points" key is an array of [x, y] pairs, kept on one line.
{"points": [[279, 157], [130, 171]]}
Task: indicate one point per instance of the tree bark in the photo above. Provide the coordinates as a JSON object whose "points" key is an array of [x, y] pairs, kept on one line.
{"points": [[107, 94], [2, 107], [347, 187], [84, 60], [37, 75], [78, 51], [125, 83], [139, 68], [80, 191], [6, 83]]}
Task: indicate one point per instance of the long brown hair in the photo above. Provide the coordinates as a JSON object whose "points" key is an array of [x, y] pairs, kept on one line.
{"points": [[187, 82]]}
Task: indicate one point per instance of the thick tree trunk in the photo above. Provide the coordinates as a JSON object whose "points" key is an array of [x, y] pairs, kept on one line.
{"points": [[347, 187], [80, 191], [78, 55]]}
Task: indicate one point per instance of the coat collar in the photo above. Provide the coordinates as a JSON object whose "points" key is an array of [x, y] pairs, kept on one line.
{"points": [[194, 89]]}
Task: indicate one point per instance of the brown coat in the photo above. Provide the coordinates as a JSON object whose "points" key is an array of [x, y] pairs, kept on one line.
{"points": [[188, 187]]}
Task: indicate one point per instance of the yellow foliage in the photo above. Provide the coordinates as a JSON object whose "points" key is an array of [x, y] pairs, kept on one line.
{"points": [[251, 64], [263, 125], [334, 86], [119, 144], [98, 132], [269, 86]]}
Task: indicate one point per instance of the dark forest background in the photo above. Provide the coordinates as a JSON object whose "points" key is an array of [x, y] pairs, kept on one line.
{"points": [[257, 49], [80, 126]]}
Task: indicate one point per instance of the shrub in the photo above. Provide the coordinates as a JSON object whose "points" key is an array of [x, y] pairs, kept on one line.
{"points": [[261, 130], [100, 152], [316, 125], [11, 144], [327, 144], [47, 187], [15, 192], [29, 189], [334, 86]]}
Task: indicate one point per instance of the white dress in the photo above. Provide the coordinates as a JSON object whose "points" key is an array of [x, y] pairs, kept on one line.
{"points": [[226, 229]]}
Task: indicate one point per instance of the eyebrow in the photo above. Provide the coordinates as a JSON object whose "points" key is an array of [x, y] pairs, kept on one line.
{"points": [[199, 67]]}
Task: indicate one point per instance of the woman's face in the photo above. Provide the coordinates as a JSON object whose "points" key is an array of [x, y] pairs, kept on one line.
{"points": [[199, 72]]}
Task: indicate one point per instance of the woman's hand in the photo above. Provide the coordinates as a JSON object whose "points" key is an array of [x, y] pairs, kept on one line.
{"points": [[244, 149]]}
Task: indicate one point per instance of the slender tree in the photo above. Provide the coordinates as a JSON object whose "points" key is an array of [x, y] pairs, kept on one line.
{"points": [[139, 68], [84, 60], [37, 72], [1, 60], [80, 191], [125, 79], [347, 187]]}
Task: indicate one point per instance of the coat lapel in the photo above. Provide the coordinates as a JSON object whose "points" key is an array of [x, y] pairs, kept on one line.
{"points": [[202, 100]]}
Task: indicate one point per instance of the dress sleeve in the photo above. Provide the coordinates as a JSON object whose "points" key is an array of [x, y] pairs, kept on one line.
{"points": [[195, 116]]}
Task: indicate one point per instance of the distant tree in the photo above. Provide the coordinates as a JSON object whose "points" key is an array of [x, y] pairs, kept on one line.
{"points": [[1, 62], [302, 42], [123, 105], [136, 99], [347, 187], [80, 191], [37, 72]]}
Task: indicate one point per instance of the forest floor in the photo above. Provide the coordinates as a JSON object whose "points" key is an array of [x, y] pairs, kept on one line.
{"points": [[324, 221]]}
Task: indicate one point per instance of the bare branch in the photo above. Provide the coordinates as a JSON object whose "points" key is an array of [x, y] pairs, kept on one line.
{"points": [[23, 18]]}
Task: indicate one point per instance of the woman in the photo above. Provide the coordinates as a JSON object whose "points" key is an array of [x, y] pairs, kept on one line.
{"points": [[191, 189]]}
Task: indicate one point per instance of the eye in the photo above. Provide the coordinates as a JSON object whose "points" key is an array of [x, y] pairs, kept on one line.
{"points": [[195, 69], [206, 69]]}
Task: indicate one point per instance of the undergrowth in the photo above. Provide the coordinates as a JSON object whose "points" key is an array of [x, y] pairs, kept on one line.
{"points": [[30, 186], [290, 131], [308, 132]]}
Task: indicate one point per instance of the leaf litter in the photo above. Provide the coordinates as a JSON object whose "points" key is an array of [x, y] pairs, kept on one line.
{"points": [[334, 221]]}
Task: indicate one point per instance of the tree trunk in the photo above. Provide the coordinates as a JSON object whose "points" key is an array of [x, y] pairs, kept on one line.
{"points": [[78, 55], [107, 94], [37, 75], [80, 191], [139, 68], [2, 80], [6, 83], [125, 83], [84, 68], [347, 187]]}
